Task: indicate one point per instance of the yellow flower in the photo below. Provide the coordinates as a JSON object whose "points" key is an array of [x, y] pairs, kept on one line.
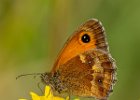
{"points": [[48, 95]]}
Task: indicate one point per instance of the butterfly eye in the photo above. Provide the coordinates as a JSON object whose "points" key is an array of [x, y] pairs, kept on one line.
{"points": [[85, 38]]}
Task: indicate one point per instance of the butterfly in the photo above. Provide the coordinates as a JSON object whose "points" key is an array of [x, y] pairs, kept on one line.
{"points": [[84, 66]]}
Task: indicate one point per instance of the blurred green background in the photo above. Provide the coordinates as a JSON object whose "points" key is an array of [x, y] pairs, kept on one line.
{"points": [[32, 32]]}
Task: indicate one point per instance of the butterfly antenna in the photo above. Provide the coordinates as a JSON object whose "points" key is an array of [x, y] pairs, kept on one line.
{"points": [[35, 74]]}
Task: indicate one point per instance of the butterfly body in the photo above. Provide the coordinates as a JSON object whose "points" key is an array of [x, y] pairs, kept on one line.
{"points": [[84, 66]]}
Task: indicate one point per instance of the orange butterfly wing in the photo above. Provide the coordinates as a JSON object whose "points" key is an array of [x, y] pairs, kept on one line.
{"points": [[75, 46]]}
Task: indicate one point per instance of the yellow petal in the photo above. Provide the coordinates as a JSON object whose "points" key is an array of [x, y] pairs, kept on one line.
{"points": [[34, 96], [47, 96], [48, 92]]}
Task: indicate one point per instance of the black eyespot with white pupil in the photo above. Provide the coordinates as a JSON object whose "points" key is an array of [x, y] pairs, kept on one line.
{"points": [[85, 38]]}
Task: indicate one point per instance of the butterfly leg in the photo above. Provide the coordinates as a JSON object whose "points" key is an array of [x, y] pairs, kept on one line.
{"points": [[38, 85]]}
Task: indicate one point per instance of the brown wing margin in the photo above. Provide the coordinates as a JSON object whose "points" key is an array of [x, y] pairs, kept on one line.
{"points": [[99, 33], [106, 80]]}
